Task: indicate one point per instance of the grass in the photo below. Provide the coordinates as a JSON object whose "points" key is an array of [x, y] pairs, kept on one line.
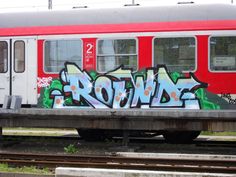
{"points": [[38, 131], [26, 170], [218, 133]]}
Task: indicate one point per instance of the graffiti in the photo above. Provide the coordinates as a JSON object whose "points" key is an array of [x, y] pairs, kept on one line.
{"points": [[121, 88], [43, 81], [228, 98]]}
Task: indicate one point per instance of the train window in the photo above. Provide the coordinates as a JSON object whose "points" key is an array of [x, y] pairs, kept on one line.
{"points": [[115, 52], [19, 56], [57, 52], [223, 53], [3, 56], [177, 54]]}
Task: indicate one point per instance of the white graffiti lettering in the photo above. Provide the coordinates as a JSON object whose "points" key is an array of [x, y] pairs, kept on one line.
{"points": [[43, 81]]}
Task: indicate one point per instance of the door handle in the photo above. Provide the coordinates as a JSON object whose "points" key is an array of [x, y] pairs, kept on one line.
{"points": [[13, 78]]}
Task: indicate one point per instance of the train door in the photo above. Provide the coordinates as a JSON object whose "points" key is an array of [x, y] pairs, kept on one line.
{"points": [[4, 69], [20, 78]]}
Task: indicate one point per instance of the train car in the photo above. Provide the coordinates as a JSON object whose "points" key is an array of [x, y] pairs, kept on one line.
{"points": [[170, 57]]}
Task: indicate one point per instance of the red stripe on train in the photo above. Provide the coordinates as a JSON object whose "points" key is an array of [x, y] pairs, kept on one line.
{"points": [[119, 28]]}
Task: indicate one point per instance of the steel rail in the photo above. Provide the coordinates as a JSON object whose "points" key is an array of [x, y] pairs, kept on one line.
{"points": [[161, 164]]}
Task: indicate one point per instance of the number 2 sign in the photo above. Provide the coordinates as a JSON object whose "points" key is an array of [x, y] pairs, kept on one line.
{"points": [[89, 48], [89, 53]]}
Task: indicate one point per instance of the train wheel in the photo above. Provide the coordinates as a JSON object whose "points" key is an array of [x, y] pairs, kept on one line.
{"points": [[180, 136], [93, 134]]}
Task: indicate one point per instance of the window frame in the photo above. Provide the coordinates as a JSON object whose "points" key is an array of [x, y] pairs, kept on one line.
{"points": [[7, 57], [176, 36], [117, 38], [14, 58], [209, 54], [61, 39]]}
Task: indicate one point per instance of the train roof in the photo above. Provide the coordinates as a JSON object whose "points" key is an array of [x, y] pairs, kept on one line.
{"points": [[191, 12]]}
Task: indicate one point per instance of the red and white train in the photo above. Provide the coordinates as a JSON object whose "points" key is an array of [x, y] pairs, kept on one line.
{"points": [[197, 39]]}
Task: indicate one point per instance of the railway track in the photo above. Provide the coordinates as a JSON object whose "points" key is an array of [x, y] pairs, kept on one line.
{"points": [[117, 162]]}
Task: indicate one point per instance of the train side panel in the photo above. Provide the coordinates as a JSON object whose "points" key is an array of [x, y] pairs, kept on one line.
{"points": [[146, 85]]}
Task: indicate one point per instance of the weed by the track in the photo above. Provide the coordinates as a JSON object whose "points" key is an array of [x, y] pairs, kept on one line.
{"points": [[71, 149]]}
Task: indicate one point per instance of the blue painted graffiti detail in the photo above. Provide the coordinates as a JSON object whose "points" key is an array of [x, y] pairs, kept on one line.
{"points": [[177, 93], [146, 88], [121, 88]]}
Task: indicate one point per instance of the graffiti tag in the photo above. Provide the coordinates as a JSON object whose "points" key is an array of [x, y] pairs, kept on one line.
{"points": [[43, 81], [228, 97], [121, 88]]}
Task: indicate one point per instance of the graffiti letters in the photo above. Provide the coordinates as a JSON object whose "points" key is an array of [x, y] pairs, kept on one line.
{"points": [[228, 98], [121, 88], [43, 81]]}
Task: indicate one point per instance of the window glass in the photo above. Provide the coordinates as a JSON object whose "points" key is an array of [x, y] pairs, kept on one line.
{"points": [[223, 53], [178, 54], [3, 56], [57, 52], [19, 56], [113, 53]]}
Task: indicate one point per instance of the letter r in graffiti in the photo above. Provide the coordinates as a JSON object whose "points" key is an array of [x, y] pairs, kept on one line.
{"points": [[79, 85]]}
